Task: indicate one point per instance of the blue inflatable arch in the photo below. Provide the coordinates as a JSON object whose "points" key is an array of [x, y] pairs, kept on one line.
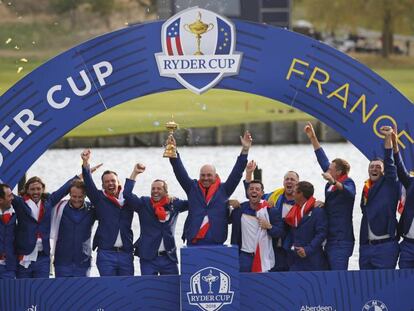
{"points": [[276, 63]]}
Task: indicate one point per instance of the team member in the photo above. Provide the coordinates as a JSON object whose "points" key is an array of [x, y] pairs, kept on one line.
{"points": [[309, 228], [406, 225], [7, 228], [207, 219], [282, 200], [71, 230], [157, 217], [113, 237], [339, 205], [33, 212], [378, 244], [253, 226]]}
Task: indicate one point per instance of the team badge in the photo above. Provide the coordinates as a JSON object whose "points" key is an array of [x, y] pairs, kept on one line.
{"points": [[198, 49], [210, 289], [374, 305]]}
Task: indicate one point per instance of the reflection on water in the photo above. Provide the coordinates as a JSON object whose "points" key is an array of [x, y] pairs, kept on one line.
{"points": [[56, 166]]}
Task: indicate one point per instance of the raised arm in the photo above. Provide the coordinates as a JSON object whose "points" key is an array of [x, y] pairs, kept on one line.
{"points": [[179, 169], [59, 194], [403, 174], [91, 191], [390, 170], [237, 172], [319, 152], [131, 198]]}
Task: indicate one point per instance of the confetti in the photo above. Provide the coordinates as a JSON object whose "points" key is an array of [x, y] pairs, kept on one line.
{"points": [[110, 129], [33, 42], [16, 47], [19, 70], [23, 60], [8, 40], [156, 123], [126, 23]]}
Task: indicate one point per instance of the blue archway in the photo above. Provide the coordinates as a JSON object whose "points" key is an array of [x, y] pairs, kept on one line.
{"points": [[119, 66]]}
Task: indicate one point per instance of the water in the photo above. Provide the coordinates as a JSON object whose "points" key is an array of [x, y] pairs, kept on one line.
{"points": [[56, 166]]}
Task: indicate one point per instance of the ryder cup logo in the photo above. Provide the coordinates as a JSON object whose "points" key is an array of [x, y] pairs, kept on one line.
{"points": [[375, 305], [210, 289], [198, 49]]}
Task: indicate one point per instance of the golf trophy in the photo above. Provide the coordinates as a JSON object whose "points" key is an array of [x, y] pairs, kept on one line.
{"points": [[170, 149], [198, 28]]}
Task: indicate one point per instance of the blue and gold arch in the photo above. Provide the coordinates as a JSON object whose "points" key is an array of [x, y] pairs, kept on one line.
{"points": [[119, 66]]}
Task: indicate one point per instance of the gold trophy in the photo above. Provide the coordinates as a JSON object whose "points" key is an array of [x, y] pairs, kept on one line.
{"points": [[170, 149], [198, 28]]}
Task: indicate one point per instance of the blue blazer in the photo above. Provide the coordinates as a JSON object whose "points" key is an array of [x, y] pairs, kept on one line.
{"points": [[111, 218], [28, 227], [7, 240], [217, 209], [380, 209], [74, 230], [310, 234], [153, 230], [275, 218], [339, 205], [408, 182]]}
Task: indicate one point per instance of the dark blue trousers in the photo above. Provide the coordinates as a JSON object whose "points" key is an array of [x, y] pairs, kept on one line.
{"points": [[378, 256], [115, 263], [338, 253], [71, 271], [160, 265], [37, 269], [6, 274], [406, 255]]}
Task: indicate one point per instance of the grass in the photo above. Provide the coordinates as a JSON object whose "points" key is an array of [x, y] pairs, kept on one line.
{"points": [[216, 107]]}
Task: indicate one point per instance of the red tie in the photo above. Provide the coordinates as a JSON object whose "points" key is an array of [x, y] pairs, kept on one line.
{"points": [[6, 218]]}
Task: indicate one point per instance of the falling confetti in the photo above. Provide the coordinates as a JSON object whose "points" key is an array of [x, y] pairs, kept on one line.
{"points": [[204, 107], [156, 123], [126, 23], [110, 129], [24, 60], [16, 47], [19, 70], [8, 40], [33, 42]]}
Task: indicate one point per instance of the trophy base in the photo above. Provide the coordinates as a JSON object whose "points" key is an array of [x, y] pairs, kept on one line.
{"points": [[198, 53], [169, 155]]}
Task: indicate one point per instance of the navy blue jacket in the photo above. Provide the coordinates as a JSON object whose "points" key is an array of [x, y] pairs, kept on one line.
{"points": [[310, 234], [380, 209], [408, 182], [7, 236], [74, 230], [275, 218], [28, 227], [111, 218], [153, 230], [339, 205], [217, 209]]}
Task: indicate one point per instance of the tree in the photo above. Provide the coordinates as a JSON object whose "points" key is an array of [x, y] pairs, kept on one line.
{"points": [[384, 15], [104, 8], [66, 6]]}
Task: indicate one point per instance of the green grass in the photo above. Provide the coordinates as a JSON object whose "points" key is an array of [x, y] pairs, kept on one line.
{"points": [[216, 107]]}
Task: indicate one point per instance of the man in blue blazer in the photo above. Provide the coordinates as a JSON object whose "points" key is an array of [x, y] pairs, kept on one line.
{"points": [[158, 215], [113, 237], [282, 200], [378, 241], [7, 236], [33, 212], [309, 227], [207, 220], [406, 224], [339, 205], [248, 225], [71, 230]]}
